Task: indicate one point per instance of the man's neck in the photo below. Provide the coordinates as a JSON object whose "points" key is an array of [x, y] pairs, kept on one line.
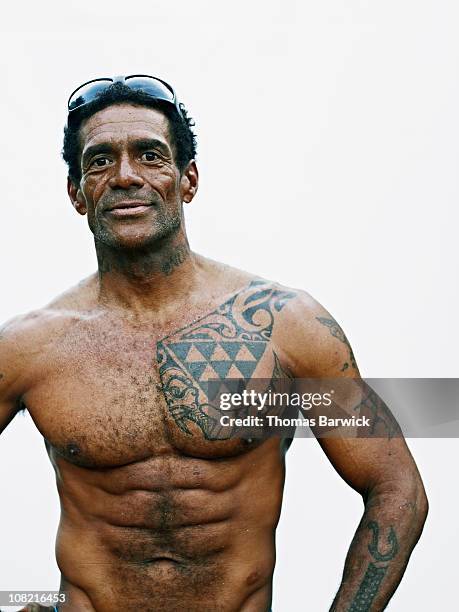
{"points": [[146, 279]]}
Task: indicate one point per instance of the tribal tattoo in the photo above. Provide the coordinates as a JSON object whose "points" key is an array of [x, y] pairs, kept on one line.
{"points": [[338, 333], [380, 415], [373, 546], [226, 345], [374, 575]]}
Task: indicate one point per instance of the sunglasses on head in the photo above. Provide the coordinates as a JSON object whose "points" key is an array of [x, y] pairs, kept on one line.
{"points": [[150, 85]]}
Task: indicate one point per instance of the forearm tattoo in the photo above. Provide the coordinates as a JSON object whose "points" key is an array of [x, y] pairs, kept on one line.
{"points": [[375, 572]]}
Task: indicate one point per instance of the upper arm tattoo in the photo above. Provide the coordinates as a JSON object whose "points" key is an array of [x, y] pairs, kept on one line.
{"points": [[382, 419], [338, 333]]}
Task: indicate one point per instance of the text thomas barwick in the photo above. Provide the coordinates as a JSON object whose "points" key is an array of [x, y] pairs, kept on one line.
{"points": [[273, 420]]}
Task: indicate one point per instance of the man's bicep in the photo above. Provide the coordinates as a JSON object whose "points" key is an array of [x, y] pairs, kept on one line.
{"points": [[368, 448], [367, 463], [10, 373]]}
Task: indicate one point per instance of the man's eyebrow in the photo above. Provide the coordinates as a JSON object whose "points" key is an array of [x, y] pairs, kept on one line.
{"points": [[103, 147], [152, 143]]}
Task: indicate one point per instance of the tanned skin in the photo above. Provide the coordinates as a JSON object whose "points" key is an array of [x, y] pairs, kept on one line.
{"points": [[158, 514]]}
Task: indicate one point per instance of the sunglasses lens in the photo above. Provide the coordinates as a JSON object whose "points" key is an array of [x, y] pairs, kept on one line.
{"points": [[151, 86], [87, 93]]}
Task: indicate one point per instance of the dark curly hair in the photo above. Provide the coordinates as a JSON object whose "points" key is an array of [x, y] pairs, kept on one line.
{"points": [[182, 137]]}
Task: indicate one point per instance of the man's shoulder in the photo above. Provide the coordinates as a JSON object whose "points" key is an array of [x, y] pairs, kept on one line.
{"points": [[295, 304], [307, 336], [297, 313], [253, 286], [36, 327]]}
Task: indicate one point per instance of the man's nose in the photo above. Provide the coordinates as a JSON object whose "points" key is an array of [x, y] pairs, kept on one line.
{"points": [[125, 175]]}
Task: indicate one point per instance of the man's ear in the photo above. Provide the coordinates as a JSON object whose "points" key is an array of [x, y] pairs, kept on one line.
{"points": [[189, 182], [76, 197]]}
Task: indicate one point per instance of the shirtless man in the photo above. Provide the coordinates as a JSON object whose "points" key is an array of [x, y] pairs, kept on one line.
{"points": [[157, 514]]}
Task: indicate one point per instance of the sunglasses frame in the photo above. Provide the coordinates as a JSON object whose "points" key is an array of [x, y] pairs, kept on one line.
{"points": [[125, 81]]}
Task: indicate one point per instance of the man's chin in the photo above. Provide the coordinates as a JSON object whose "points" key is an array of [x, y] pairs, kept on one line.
{"points": [[135, 241], [139, 235], [131, 243]]}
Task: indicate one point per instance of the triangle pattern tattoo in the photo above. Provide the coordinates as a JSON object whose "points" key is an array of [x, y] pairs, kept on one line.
{"points": [[256, 348], [220, 354], [234, 372], [244, 354], [205, 348], [222, 367], [209, 373], [231, 347], [196, 369], [194, 355], [207, 360], [246, 368], [180, 349]]}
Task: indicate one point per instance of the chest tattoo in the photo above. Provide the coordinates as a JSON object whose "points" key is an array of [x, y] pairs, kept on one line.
{"points": [[227, 344]]}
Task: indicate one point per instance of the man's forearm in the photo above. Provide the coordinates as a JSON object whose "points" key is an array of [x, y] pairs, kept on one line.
{"points": [[390, 527]]}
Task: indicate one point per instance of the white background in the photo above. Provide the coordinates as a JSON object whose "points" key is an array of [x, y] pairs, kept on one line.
{"points": [[328, 150]]}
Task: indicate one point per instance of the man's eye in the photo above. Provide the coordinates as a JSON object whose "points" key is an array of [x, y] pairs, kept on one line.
{"points": [[150, 156], [100, 162]]}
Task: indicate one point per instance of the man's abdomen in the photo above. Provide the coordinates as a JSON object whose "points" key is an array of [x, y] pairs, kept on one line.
{"points": [[173, 533]]}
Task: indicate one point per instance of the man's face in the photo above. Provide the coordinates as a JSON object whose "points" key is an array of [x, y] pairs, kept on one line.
{"points": [[130, 187]]}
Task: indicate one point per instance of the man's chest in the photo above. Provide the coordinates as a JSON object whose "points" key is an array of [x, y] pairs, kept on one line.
{"points": [[97, 397], [109, 395]]}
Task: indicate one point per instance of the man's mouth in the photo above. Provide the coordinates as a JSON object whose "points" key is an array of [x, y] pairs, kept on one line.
{"points": [[129, 208]]}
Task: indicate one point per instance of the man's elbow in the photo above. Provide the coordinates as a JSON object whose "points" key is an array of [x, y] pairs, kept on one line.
{"points": [[423, 505], [404, 495], [420, 503]]}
